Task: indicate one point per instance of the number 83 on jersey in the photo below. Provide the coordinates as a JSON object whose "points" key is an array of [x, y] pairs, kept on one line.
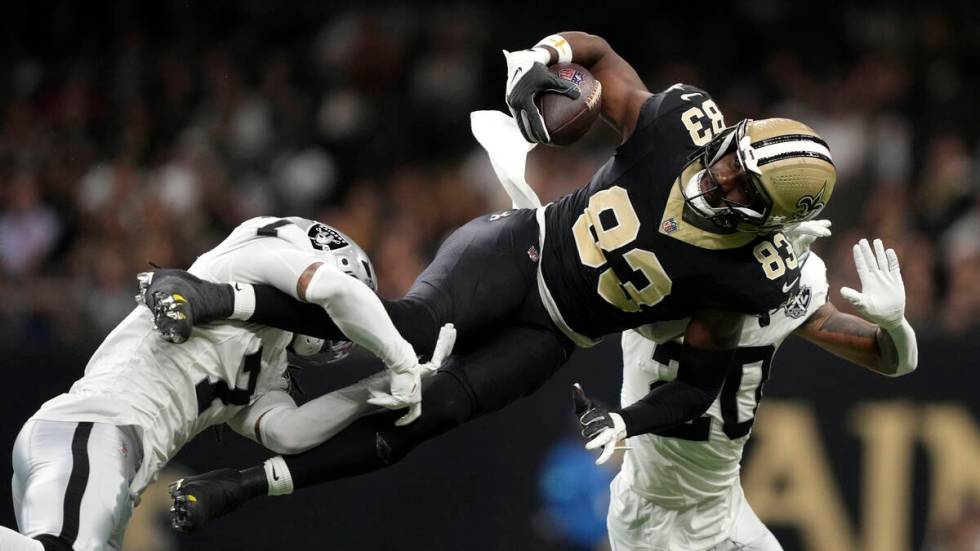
{"points": [[609, 223]]}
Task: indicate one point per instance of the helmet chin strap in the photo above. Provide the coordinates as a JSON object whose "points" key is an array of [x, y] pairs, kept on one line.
{"points": [[751, 213]]}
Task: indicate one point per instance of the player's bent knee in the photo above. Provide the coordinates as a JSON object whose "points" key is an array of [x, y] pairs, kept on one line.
{"points": [[449, 400], [446, 404]]}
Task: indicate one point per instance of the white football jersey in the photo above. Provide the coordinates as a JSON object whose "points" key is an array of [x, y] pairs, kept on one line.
{"points": [[171, 393], [699, 461]]}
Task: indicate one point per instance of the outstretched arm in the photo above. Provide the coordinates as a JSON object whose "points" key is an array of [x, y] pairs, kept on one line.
{"points": [[276, 422], [848, 337], [352, 306], [886, 344]]}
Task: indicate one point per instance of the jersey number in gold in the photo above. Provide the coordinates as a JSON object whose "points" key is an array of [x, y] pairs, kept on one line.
{"points": [[609, 223], [773, 263]]}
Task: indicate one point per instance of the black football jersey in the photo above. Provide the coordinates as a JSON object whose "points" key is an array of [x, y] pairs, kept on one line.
{"points": [[618, 252]]}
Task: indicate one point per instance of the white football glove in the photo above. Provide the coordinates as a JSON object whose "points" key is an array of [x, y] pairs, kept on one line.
{"points": [[406, 385], [804, 234], [601, 427], [882, 296]]}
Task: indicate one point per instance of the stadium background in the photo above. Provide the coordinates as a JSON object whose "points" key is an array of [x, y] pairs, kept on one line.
{"points": [[136, 133]]}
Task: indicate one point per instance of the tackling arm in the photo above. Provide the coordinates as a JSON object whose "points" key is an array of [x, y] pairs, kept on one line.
{"points": [[277, 423], [710, 341], [350, 304]]}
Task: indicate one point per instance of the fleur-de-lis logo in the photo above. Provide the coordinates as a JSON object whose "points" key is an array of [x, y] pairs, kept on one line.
{"points": [[809, 205]]}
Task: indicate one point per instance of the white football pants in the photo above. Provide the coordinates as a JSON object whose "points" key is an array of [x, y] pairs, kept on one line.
{"points": [[71, 481], [637, 524]]}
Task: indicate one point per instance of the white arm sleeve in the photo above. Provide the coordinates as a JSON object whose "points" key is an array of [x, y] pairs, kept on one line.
{"points": [[907, 348], [358, 312], [499, 135], [277, 423], [271, 262], [353, 306]]}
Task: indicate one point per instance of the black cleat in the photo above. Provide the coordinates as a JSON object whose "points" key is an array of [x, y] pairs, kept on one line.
{"points": [[198, 499], [180, 300]]}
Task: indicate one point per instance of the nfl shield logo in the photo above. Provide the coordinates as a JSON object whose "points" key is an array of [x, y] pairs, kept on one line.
{"points": [[567, 73], [532, 253], [669, 225]]}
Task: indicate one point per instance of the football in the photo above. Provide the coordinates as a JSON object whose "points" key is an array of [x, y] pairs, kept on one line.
{"points": [[568, 119]]}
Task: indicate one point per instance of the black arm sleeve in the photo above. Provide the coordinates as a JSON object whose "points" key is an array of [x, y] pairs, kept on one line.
{"points": [[277, 309], [699, 378]]}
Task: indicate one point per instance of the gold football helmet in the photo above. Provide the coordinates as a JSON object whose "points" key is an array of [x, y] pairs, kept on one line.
{"points": [[789, 171]]}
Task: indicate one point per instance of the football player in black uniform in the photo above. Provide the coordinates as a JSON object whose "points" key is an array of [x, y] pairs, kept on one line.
{"points": [[683, 221]]}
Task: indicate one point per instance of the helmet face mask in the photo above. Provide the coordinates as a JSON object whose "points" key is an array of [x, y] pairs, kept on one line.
{"points": [[786, 170], [313, 352], [710, 203]]}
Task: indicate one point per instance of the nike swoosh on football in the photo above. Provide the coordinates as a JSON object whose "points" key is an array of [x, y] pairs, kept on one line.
{"points": [[788, 286], [687, 97]]}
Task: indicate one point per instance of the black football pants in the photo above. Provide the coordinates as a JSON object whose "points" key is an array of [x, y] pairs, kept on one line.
{"points": [[483, 280]]}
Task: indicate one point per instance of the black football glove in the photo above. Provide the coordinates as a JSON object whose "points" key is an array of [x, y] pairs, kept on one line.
{"points": [[599, 426], [527, 77]]}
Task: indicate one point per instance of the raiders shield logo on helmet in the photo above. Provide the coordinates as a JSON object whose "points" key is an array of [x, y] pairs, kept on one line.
{"points": [[324, 238]]}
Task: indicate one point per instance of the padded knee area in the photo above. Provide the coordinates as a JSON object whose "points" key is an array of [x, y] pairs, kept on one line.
{"points": [[446, 404]]}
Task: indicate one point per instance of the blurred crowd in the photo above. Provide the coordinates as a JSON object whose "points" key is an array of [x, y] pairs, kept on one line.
{"points": [[137, 134]]}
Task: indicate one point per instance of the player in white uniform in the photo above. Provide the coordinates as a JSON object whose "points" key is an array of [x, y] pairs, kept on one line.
{"points": [[81, 461], [681, 490]]}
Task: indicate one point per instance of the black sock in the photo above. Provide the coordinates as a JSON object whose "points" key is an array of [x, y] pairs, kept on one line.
{"points": [[254, 482]]}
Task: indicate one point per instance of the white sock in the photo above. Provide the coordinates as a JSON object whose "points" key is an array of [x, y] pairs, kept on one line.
{"points": [[244, 301], [278, 476], [15, 541]]}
